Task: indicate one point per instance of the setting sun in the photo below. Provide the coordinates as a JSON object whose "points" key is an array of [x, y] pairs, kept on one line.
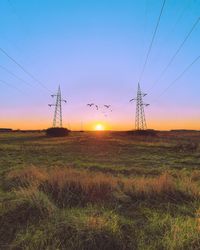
{"points": [[99, 127]]}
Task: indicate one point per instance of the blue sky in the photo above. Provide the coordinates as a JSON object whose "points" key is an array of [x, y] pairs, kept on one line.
{"points": [[95, 50]]}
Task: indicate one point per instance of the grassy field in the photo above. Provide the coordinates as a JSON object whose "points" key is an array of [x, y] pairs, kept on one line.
{"points": [[106, 190]]}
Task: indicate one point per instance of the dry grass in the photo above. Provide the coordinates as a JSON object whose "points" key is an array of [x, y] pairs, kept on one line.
{"points": [[198, 218], [25, 177], [69, 187], [44, 196], [72, 187], [195, 175], [163, 187], [148, 186]]}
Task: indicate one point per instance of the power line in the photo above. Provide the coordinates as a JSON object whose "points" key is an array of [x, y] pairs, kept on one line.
{"points": [[178, 77], [176, 53], [152, 41], [180, 16], [144, 29], [173, 28], [11, 86], [13, 74], [24, 70]]}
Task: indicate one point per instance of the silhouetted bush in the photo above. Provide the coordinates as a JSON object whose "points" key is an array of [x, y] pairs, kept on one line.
{"points": [[57, 132], [148, 132]]}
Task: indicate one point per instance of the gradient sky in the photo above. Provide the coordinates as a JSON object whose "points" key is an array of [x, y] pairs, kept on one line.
{"points": [[95, 50]]}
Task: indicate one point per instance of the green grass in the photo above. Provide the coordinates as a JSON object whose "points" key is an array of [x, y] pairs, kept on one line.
{"points": [[99, 191]]}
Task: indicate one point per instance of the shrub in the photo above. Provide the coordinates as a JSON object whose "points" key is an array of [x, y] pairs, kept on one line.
{"points": [[57, 132], [147, 132]]}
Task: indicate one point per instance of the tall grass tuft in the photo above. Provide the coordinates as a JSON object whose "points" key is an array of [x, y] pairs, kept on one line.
{"points": [[69, 187], [163, 187], [25, 177]]}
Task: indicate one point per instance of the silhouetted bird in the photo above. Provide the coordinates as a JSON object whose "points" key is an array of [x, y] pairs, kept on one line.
{"points": [[97, 107], [90, 104], [107, 106], [132, 100]]}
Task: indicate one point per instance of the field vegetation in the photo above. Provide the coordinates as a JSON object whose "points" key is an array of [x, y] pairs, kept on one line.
{"points": [[105, 190]]}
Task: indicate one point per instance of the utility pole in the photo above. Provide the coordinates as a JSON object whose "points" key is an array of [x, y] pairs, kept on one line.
{"points": [[57, 119], [140, 120]]}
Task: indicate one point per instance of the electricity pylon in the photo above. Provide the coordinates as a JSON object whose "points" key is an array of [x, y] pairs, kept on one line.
{"points": [[140, 120], [57, 119]]}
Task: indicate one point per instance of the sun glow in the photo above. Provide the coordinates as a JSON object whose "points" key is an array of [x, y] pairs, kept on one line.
{"points": [[99, 127]]}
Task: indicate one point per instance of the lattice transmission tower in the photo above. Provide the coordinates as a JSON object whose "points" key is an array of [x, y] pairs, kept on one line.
{"points": [[57, 118], [140, 120]]}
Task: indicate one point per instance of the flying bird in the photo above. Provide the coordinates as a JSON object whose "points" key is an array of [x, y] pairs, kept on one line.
{"points": [[132, 100], [107, 106], [97, 107], [90, 104]]}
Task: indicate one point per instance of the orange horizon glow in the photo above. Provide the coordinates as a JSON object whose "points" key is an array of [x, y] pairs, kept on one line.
{"points": [[157, 125], [87, 123]]}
